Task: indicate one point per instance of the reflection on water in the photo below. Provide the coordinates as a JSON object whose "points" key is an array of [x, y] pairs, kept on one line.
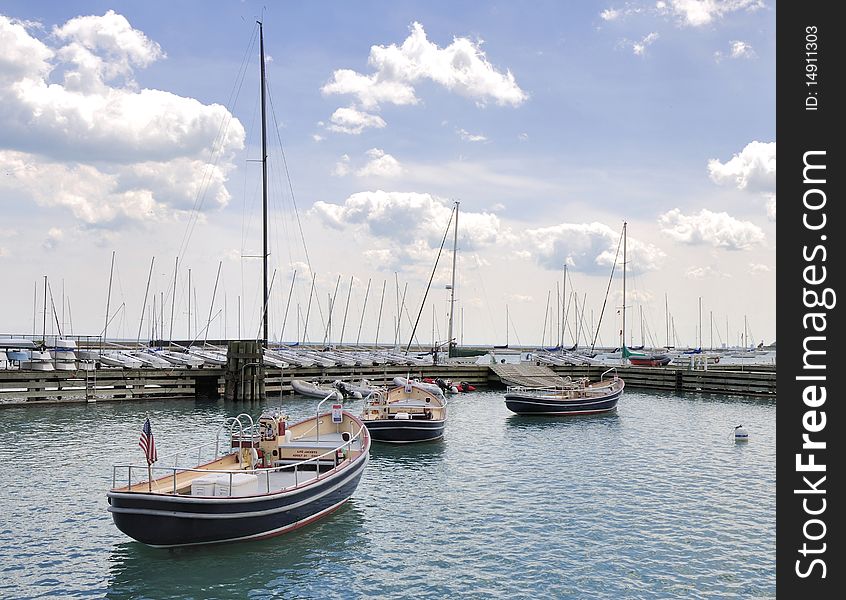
{"points": [[503, 506], [237, 569], [543, 422]]}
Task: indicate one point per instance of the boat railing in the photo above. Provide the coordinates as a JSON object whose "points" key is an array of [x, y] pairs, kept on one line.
{"points": [[605, 372], [265, 473]]}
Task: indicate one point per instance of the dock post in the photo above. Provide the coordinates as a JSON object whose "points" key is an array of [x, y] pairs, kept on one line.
{"points": [[244, 371]]}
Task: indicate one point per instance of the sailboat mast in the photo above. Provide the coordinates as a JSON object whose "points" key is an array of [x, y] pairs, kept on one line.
{"points": [[44, 320], [263, 187], [452, 284], [108, 298], [624, 288]]}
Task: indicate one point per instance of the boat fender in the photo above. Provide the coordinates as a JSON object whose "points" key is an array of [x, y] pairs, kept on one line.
{"points": [[740, 434]]}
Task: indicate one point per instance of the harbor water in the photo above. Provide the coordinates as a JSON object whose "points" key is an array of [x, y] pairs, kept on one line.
{"points": [[654, 501]]}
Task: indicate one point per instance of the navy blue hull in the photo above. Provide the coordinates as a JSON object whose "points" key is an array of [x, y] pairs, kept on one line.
{"points": [[526, 404], [404, 431], [162, 521]]}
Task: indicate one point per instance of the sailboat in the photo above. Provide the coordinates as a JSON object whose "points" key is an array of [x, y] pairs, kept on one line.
{"points": [[269, 478], [653, 359]]}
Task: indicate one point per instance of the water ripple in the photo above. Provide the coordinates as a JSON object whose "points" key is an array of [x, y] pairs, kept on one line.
{"points": [[655, 501]]}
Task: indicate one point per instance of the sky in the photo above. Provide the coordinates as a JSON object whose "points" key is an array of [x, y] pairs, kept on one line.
{"points": [[133, 130]]}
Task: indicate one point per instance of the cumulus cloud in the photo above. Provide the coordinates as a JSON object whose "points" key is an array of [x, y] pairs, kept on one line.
{"points": [[609, 14], [710, 228], [462, 67], [696, 13], [380, 165], [96, 144], [757, 268], [407, 226], [752, 169], [353, 121], [588, 247]]}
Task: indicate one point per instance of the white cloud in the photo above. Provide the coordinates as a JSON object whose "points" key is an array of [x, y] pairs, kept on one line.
{"points": [[353, 121], [461, 67], [520, 298], [639, 48], [408, 226], [380, 165], [97, 145], [696, 13], [757, 268], [102, 49], [523, 137], [737, 49], [609, 14], [754, 168], [704, 272], [715, 229], [588, 247], [470, 137]]}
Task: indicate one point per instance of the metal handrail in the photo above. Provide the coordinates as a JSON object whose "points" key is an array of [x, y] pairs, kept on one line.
{"points": [[295, 467], [604, 373]]}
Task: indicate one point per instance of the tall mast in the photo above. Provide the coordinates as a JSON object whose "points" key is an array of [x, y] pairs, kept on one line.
{"points": [[624, 285], [700, 322], [263, 186], [452, 284], [563, 311], [44, 321], [108, 297], [667, 317]]}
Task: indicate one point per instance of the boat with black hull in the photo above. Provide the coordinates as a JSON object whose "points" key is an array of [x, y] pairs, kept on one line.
{"points": [[273, 478], [405, 414], [579, 397]]}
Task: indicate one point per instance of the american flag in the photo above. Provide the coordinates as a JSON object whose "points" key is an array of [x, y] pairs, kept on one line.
{"points": [[147, 443]]}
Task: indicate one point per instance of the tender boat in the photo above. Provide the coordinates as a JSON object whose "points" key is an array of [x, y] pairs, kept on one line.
{"points": [[273, 478], [579, 397], [429, 387], [405, 414], [314, 390]]}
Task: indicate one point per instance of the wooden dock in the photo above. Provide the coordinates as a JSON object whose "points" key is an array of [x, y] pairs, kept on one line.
{"points": [[107, 384]]}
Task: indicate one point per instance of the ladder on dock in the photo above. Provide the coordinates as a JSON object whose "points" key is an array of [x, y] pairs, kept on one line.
{"points": [[527, 375]]}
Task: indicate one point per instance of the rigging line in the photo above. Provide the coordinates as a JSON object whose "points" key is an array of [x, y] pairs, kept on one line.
{"points": [[431, 277], [216, 154], [287, 306], [610, 279], [291, 191], [545, 317]]}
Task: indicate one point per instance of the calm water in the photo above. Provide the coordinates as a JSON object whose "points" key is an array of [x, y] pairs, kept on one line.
{"points": [[655, 501]]}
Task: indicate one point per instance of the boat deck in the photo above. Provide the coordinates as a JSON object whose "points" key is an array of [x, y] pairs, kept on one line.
{"points": [[295, 465]]}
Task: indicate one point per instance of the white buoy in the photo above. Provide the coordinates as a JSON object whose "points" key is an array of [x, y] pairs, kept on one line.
{"points": [[740, 434]]}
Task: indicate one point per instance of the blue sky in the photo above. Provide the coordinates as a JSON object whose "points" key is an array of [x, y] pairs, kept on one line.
{"points": [[552, 123]]}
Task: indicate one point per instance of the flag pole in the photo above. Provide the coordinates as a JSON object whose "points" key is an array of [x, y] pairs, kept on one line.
{"points": [[149, 477]]}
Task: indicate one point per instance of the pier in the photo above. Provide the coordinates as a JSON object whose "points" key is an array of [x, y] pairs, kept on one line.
{"points": [[114, 384]]}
